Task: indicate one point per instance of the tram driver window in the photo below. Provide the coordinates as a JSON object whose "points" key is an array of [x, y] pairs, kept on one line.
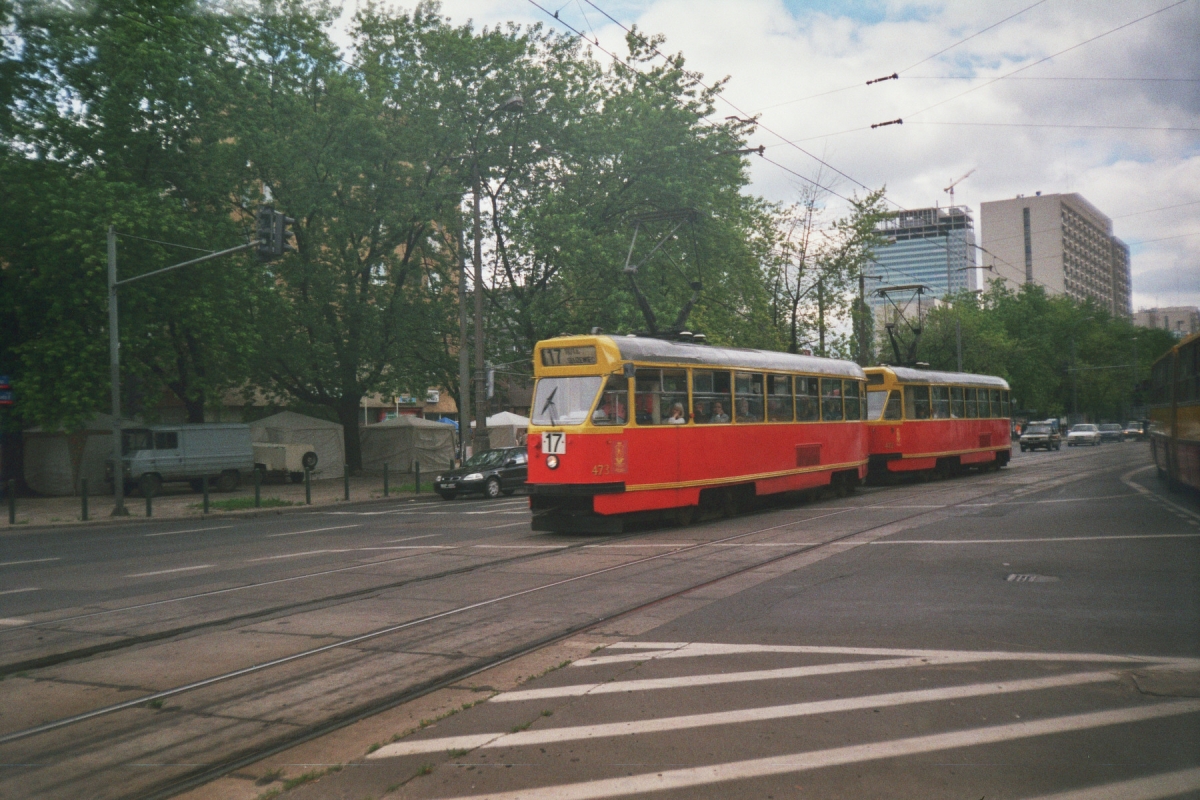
{"points": [[808, 399], [916, 402], [957, 407], [748, 388], [712, 396], [779, 398], [831, 400], [941, 402], [613, 408], [972, 405], [661, 397]]}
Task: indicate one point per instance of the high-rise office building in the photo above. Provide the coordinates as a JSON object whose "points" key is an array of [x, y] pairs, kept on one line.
{"points": [[1060, 241], [932, 247]]}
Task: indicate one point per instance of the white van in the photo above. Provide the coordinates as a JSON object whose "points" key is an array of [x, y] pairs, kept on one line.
{"points": [[155, 454]]}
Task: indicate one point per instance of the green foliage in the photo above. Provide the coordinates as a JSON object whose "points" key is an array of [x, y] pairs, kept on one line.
{"points": [[1059, 356]]}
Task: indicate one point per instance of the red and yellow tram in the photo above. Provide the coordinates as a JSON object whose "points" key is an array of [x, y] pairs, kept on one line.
{"points": [[1175, 414], [630, 424], [924, 420]]}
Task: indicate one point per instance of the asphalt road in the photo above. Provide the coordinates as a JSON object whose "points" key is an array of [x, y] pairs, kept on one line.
{"points": [[888, 654]]}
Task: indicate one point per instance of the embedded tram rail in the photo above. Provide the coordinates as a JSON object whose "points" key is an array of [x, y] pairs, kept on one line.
{"points": [[316, 689]]}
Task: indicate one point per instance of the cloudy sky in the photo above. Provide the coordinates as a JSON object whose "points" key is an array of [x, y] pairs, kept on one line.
{"points": [[1116, 119]]}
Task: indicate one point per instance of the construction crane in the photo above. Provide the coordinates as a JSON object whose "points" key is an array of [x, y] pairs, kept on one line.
{"points": [[950, 189]]}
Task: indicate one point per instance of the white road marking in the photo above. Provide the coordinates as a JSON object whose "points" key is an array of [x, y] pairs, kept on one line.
{"points": [[1048, 539], [1037, 502], [411, 538], [509, 525], [662, 544], [20, 591], [1153, 787], [27, 561], [297, 555], [791, 710], [13, 620], [694, 649], [1127, 479], [405, 547], [169, 571], [313, 530], [837, 756], [688, 681], [189, 530], [522, 546]]}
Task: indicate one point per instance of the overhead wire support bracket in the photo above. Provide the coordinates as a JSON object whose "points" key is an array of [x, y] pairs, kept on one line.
{"points": [[895, 76], [896, 121]]}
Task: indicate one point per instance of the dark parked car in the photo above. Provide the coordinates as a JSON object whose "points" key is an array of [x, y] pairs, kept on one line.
{"points": [[494, 472], [1112, 432], [1038, 436]]}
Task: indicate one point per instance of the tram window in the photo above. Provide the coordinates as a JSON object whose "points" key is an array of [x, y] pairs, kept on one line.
{"points": [[712, 399], [916, 402], [972, 406], [941, 402], [831, 400], [748, 388], [779, 398], [851, 390], [613, 408], [876, 401], [957, 405], [808, 399], [893, 409], [995, 395], [1004, 407], [661, 396]]}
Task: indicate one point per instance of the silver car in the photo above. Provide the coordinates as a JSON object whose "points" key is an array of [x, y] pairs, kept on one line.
{"points": [[1083, 434]]}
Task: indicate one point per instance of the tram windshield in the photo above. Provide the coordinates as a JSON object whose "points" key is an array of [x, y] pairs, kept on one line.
{"points": [[564, 401]]}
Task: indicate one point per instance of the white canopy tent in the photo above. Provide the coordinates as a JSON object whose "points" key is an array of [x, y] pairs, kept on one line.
{"points": [[404, 440], [324, 437], [506, 429]]}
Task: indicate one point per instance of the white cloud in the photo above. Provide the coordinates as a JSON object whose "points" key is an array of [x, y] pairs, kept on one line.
{"points": [[775, 52]]}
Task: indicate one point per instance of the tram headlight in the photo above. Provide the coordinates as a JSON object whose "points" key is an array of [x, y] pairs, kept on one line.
{"points": [[552, 462]]}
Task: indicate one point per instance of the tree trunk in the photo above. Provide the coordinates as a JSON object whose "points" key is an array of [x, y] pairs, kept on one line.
{"points": [[195, 410], [349, 413]]}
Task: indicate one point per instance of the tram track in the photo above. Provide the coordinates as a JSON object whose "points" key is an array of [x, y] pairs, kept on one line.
{"points": [[253, 752]]}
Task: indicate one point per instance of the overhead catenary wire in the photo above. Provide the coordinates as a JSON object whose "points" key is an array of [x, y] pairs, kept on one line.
{"points": [[972, 36]]}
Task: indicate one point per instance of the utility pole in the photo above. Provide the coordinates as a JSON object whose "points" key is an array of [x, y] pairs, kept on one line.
{"points": [[464, 367], [1074, 382], [480, 439], [958, 338], [114, 376], [862, 319], [821, 316]]}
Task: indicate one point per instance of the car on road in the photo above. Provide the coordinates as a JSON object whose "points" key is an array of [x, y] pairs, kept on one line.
{"points": [[1040, 437], [1134, 431], [1112, 432], [493, 472], [1084, 433]]}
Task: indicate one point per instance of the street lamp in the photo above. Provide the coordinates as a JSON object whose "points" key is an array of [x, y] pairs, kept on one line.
{"points": [[480, 439]]}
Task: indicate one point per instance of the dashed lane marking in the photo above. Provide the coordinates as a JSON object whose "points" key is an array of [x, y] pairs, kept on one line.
{"points": [[27, 561], [412, 538], [20, 591], [1153, 787], [313, 530], [12, 620], [188, 530], [298, 555], [839, 756], [690, 721], [169, 571], [509, 525]]}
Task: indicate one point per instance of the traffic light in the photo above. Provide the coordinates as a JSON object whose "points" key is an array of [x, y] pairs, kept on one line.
{"points": [[272, 234]]}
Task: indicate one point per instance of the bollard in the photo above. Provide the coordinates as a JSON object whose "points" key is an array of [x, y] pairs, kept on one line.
{"points": [[307, 486], [417, 474], [83, 497], [149, 502], [346, 479], [385, 485], [204, 481], [257, 488], [12, 502]]}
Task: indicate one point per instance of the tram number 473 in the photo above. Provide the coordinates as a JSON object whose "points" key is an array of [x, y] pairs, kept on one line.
{"points": [[554, 444]]}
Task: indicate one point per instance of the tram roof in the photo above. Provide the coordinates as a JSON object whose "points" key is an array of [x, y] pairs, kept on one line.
{"points": [[643, 349], [910, 375]]}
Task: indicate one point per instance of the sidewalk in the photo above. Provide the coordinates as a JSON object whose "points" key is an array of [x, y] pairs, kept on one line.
{"points": [[177, 501]]}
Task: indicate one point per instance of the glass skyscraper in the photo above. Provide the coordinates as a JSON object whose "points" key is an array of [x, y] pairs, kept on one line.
{"points": [[933, 247]]}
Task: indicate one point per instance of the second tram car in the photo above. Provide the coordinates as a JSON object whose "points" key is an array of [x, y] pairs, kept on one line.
{"points": [[625, 424], [925, 420], [1175, 414]]}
